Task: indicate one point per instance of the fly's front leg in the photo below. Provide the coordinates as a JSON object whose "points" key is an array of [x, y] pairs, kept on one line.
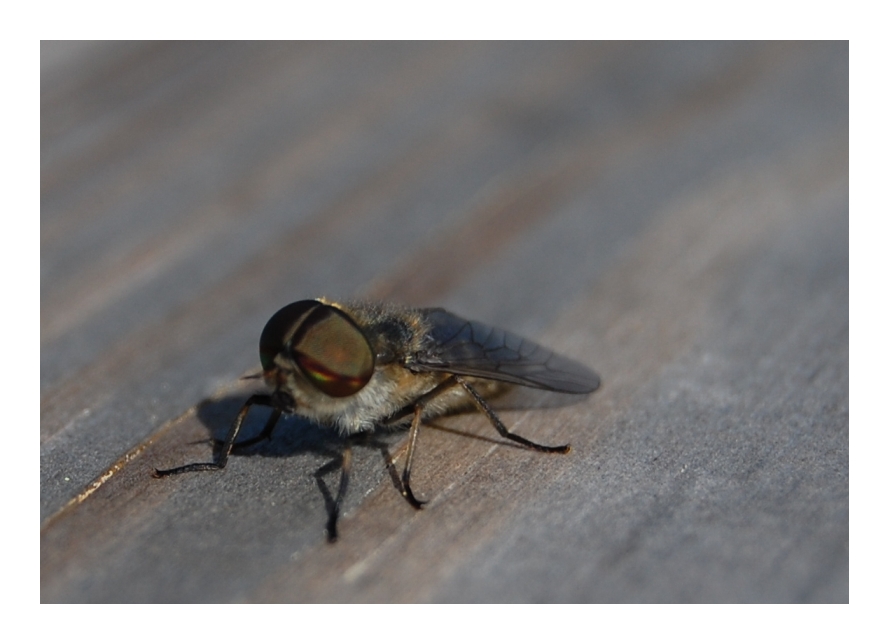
{"points": [[222, 459], [501, 428], [265, 434], [335, 505]]}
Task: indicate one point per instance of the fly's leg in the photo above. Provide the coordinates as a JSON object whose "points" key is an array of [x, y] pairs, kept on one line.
{"points": [[340, 494], [222, 459], [334, 505], [391, 460], [403, 483], [411, 446], [265, 434], [501, 428]]}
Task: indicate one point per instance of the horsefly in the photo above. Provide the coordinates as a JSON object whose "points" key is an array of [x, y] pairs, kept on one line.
{"points": [[360, 366]]}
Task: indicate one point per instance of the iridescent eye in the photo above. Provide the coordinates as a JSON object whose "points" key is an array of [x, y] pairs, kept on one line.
{"points": [[280, 328], [332, 352]]}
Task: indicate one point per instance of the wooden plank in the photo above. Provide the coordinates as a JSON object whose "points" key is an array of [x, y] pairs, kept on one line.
{"points": [[674, 215]]}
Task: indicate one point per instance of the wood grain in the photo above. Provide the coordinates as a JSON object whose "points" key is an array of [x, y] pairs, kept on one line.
{"points": [[674, 215]]}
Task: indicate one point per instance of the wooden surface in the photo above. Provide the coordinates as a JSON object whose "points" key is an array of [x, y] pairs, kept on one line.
{"points": [[673, 215]]}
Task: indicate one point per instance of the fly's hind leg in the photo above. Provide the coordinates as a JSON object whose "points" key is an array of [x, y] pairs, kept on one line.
{"points": [[404, 482], [501, 428]]}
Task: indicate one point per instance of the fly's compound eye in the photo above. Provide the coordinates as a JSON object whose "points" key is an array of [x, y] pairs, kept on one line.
{"points": [[280, 329], [332, 352], [327, 346]]}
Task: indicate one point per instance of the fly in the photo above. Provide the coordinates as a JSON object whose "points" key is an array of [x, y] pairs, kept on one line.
{"points": [[359, 366]]}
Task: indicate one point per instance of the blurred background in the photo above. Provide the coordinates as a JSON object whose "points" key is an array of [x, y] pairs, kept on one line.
{"points": [[674, 215]]}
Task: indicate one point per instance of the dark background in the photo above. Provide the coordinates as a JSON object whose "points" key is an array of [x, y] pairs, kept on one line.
{"points": [[674, 215]]}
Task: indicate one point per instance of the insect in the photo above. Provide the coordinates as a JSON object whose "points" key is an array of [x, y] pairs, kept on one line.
{"points": [[360, 366]]}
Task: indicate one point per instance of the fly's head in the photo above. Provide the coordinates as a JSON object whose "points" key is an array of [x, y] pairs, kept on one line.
{"points": [[314, 358]]}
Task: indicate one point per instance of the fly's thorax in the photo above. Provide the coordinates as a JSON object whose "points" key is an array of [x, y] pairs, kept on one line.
{"points": [[396, 333]]}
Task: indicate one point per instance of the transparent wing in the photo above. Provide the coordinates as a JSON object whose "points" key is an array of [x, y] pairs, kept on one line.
{"points": [[469, 348]]}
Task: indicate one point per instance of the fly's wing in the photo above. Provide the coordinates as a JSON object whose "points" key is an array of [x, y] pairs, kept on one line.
{"points": [[469, 348]]}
